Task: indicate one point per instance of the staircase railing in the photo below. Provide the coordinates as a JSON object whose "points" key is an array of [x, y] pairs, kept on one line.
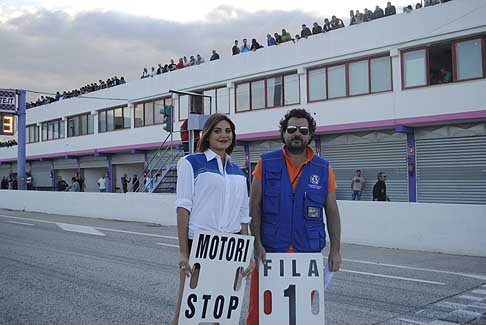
{"points": [[163, 157]]}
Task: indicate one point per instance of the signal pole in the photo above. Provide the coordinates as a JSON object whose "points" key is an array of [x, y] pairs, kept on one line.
{"points": [[21, 157]]}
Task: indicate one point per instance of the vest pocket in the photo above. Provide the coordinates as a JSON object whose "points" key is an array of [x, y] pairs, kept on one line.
{"points": [[313, 205], [317, 237], [268, 234], [271, 203]]}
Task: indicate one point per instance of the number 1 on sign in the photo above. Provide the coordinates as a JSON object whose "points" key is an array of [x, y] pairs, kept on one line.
{"points": [[290, 293]]}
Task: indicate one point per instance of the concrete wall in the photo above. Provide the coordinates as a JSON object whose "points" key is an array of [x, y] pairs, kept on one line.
{"points": [[446, 228]]}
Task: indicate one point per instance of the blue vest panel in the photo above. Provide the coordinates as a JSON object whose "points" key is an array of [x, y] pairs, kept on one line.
{"points": [[293, 218]]}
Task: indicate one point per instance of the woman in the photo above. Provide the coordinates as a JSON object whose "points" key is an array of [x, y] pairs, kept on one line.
{"points": [[203, 180]]}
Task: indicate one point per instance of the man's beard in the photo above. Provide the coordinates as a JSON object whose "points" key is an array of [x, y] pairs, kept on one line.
{"points": [[295, 147]]}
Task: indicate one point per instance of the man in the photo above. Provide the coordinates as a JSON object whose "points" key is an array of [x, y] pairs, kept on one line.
{"points": [[379, 190], [28, 181], [390, 10], [102, 183], [316, 29], [305, 32], [336, 23], [214, 56], [378, 13], [61, 184], [285, 37], [235, 50], [245, 47], [200, 60], [270, 40], [74, 186], [124, 181], [357, 185], [290, 188]]}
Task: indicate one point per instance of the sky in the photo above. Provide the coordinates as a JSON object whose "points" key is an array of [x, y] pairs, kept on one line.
{"points": [[48, 45]]}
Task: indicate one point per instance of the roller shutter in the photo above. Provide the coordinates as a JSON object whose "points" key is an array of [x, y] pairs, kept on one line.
{"points": [[372, 152], [238, 156], [451, 170], [65, 164], [261, 147], [93, 162], [41, 174], [120, 159]]}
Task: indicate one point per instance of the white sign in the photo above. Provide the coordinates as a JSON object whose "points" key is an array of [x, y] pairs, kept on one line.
{"points": [[217, 295], [293, 284]]}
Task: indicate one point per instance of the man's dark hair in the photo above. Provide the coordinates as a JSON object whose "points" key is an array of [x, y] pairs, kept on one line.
{"points": [[297, 113]]}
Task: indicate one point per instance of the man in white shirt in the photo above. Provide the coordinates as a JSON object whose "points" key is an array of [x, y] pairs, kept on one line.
{"points": [[357, 185], [102, 183]]}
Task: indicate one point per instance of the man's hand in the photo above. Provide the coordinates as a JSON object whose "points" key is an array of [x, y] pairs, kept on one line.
{"points": [[260, 253], [334, 261]]}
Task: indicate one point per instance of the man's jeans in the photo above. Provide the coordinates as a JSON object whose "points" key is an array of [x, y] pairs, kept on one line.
{"points": [[357, 195]]}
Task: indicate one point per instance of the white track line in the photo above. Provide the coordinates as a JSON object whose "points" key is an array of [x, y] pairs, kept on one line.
{"points": [[475, 276], [20, 223], [169, 245], [98, 228], [394, 277]]}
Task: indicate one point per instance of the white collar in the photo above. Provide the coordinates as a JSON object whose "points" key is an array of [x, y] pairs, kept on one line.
{"points": [[210, 155]]}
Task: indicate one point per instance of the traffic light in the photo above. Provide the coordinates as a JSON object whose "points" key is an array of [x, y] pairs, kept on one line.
{"points": [[168, 112]]}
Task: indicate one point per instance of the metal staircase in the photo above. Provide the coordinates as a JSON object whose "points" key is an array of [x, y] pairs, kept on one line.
{"points": [[160, 174]]}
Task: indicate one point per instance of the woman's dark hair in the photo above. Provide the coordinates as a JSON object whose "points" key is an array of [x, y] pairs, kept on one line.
{"points": [[297, 113], [209, 127]]}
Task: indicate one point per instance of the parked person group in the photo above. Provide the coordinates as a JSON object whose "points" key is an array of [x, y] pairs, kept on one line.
{"points": [[110, 82]]}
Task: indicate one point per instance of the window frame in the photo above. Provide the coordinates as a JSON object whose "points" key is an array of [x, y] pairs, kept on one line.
{"points": [[50, 123], [36, 130], [265, 78], [452, 42], [144, 124], [79, 117], [482, 39], [214, 101], [346, 64], [106, 110]]}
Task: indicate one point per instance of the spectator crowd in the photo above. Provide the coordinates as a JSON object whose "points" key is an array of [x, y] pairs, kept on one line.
{"points": [[110, 82]]}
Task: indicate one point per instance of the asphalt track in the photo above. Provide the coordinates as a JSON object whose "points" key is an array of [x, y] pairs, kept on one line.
{"points": [[68, 270]]}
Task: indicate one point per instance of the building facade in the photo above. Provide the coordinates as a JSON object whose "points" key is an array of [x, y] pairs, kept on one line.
{"points": [[380, 93]]}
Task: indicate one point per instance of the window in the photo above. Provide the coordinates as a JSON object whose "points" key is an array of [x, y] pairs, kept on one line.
{"points": [[32, 133], [414, 68], [207, 102], [183, 107], [102, 121], [267, 93], [158, 116], [363, 77], [243, 97], [381, 77], [444, 62], [336, 81], [317, 84], [138, 115], [149, 113], [291, 89], [110, 121], [80, 125], [258, 94], [117, 118], [197, 104], [358, 78], [274, 92], [469, 60], [222, 100], [219, 101], [52, 130]]}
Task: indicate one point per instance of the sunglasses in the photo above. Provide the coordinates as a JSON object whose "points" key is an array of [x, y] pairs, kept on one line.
{"points": [[304, 130]]}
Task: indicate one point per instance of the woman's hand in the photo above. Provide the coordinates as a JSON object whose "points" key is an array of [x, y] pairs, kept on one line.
{"points": [[184, 264]]}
